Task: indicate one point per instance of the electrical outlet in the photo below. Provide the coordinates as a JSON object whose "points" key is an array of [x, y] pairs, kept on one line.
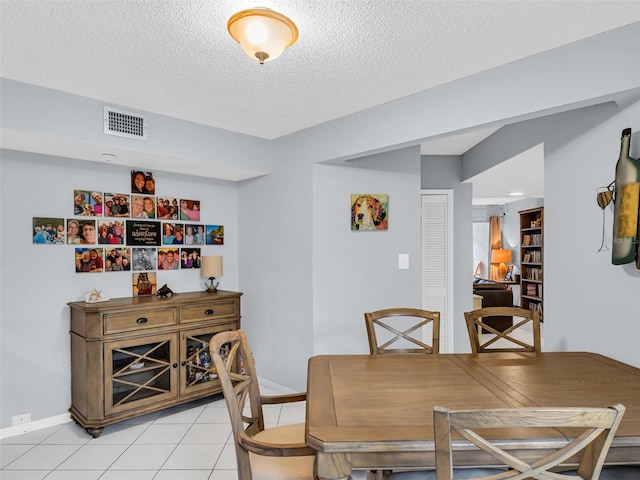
{"points": [[18, 419]]}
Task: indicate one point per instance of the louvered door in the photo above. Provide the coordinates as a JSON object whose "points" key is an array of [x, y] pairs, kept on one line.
{"points": [[437, 261]]}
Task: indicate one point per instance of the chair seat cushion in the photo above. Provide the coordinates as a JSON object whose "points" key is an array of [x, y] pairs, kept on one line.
{"points": [[621, 473], [608, 473], [461, 473], [282, 468]]}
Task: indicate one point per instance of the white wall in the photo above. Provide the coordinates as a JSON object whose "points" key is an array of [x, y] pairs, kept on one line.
{"points": [[37, 281], [591, 304]]}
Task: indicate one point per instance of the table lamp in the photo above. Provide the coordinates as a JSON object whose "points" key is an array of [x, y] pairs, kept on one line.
{"points": [[211, 268], [501, 256]]}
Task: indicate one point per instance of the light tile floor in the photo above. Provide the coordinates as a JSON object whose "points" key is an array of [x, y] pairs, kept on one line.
{"points": [[186, 442]]}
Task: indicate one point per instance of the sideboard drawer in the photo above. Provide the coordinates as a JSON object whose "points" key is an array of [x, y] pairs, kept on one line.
{"points": [[126, 322], [208, 311]]}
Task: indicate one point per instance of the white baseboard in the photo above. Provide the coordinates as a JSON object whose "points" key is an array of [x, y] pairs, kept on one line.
{"points": [[275, 386], [64, 417], [35, 425]]}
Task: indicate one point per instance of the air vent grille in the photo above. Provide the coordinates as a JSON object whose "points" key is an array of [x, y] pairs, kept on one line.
{"points": [[125, 124]]}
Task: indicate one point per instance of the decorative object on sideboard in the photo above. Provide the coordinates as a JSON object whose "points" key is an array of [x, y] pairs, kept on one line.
{"points": [[626, 201], [211, 269], [95, 296], [263, 33], [502, 257], [604, 195], [144, 283], [164, 291]]}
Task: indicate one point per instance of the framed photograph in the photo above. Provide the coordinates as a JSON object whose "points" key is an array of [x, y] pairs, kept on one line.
{"points": [[111, 232], [48, 231], [82, 203], [508, 277], [143, 206], [168, 258], [369, 211], [95, 202], [117, 259], [142, 183], [190, 210], [143, 259], [89, 260], [87, 234], [144, 283], [167, 208], [193, 234], [172, 233], [215, 234], [142, 233], [73, 231], [198, 234], [116, 205], [189, 258]]}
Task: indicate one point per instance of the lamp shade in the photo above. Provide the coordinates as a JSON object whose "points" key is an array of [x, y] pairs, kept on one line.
{"points": [[211, 266], [262, 33], [500, 256]]}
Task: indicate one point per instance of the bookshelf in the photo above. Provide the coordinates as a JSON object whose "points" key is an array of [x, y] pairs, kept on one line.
{"points": [[532, 259]]}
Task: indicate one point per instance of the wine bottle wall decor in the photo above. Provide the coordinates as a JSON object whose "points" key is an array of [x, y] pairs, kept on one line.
{"points": [[626, 205]]}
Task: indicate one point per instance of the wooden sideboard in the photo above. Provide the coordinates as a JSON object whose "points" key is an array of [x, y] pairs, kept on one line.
{"points": [[131, 356]]}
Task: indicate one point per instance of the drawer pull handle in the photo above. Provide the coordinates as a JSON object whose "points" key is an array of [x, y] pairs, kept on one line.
{"points": [[142, 320], [208, 311], [175, 365]]}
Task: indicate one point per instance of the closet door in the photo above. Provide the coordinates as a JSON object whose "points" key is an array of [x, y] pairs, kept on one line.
{"points": [[437, 261]]}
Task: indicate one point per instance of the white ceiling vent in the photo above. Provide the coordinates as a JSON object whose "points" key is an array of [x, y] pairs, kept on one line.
{"points": [[125, 124]]}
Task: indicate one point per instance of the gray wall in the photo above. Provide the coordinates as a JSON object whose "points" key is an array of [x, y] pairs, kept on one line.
{"points": [[591, 304], [357, 271]]}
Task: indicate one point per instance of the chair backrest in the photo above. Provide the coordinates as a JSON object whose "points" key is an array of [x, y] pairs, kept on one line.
{"points": [[236, 371], [507, 340], [592, 430], [404, 327]]}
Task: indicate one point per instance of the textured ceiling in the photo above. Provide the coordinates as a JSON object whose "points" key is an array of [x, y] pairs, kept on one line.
{"points": [[176, 58]]}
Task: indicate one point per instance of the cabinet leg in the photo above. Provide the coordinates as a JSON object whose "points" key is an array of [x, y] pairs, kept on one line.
{"points": [[95, 432]]}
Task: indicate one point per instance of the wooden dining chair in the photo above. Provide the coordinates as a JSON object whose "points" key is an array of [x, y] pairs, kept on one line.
{"points": [[592, 431], [485, 338], [278, 453], [399, 330]]}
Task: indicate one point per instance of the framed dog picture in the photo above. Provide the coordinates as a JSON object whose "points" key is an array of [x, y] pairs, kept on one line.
{"points": [[369, 211]]}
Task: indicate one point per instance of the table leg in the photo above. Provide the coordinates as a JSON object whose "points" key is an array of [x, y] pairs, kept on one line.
{"points": [[333, 466]]}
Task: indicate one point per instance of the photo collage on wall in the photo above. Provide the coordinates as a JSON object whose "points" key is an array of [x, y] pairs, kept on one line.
{"points": [[137, 232]]}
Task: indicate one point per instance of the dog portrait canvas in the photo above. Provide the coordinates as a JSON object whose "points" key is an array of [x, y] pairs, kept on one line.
{"points": [[369, 211]]}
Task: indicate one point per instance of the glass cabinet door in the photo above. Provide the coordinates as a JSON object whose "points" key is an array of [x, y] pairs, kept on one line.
{"points": [[198, 371], [140, 372]]}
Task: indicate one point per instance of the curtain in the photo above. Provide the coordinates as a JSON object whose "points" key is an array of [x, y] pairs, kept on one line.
{"points": [[495, 241]]}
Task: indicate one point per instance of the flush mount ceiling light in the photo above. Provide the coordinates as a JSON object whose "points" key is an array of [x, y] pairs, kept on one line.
{"points": [[262, 33]]}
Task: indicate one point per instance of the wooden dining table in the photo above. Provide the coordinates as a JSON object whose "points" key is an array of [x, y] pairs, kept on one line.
{"points": [[375, 411]]}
